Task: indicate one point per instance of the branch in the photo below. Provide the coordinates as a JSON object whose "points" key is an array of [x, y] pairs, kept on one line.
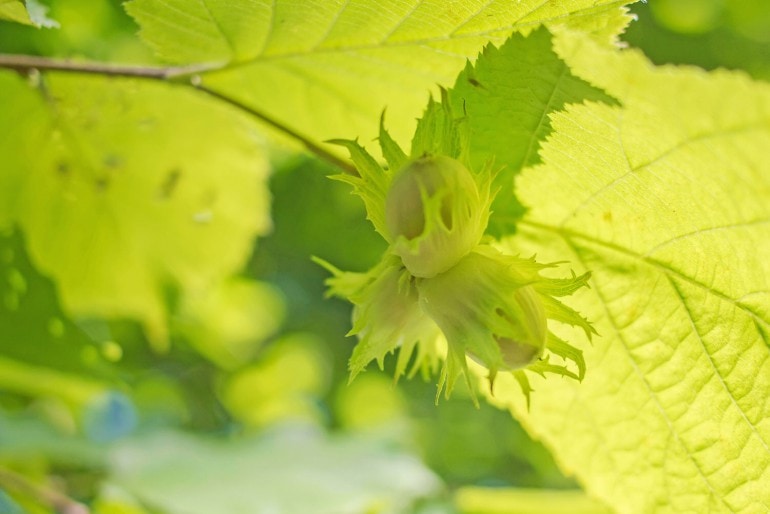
{"points": [[60, 502], [27, 64], [306, 142]]}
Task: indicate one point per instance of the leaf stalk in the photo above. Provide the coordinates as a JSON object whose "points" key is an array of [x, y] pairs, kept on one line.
{"points": [[184, 75]]}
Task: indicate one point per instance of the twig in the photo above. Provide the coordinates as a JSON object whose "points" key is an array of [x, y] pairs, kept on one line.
{"points": [[56, 500], [306, 142], [29, 63]]}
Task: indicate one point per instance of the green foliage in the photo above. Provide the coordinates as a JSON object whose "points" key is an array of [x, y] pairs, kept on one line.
{"points": [[284, 471], [439, 281], [14, 10], [328, 69], [33, 327], [667, 205], [100, 172], [708, 33], [507, 98], [156, 357], [30, 12], [477, 500]]}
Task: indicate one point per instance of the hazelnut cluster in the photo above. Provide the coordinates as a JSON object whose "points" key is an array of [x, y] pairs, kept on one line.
{"points": [[444, 290]]}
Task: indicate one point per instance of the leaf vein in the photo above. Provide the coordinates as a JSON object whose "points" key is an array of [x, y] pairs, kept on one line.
{"points": [[683, 301], [400, 23], [743, 224], [632, 170], [568, 235], [215, 21], [331, 26], [270, 29], [384, 44], [534, 138], [472, 17], [638, 372]]}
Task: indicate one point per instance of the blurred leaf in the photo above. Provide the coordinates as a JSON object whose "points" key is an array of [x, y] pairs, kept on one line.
{"points": [[106, 34], [689, 16], [229, 322], [287, 472], [113, 500], [370, 402], [33, 13], [666, 200], [750, 18], [478, 500], [33, 327], [8, 506], [44, 355], [329, 68], [286, 384], [14, 10], [126, 188], [26, 439], [739, 40]]}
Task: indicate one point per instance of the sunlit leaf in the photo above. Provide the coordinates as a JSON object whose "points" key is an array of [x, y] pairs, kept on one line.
{"points": [[128, 189], [487, 500], [284, 385], [507, 98], [666, 199], [30, 12], [287, 472], [328, 68], [230, 321]]}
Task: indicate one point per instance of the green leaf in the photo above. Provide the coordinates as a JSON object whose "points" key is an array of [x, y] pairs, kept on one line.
{"points": [[329, 68], [507, 98], [487, 500], [230, 321], [30, 12], [125, 189], [286, 471], [33, 327], [44, 355], [27, 438], [14, 10], [666, 200]]}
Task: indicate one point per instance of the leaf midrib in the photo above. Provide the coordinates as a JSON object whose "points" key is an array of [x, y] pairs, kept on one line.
{"points": [[670, 273], [568, 234], [383, 44], [653, 396]]}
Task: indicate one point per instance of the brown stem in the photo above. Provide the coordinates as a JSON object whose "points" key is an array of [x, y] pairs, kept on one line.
{"points": [[306, 142], [29, 63], [56, 500]]}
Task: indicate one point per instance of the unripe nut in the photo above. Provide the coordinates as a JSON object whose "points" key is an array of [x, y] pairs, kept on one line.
{"points": [[434, 214]]}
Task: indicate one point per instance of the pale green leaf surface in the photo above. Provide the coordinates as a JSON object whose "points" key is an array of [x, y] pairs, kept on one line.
{"points": [[229, 322], [14, 10], [667, 201], [286, 471], [124, 189], [329, 68], [30, 12], [489, 500]]}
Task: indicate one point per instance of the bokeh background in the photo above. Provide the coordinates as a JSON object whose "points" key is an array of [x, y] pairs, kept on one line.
{"points": [[250, 410]]}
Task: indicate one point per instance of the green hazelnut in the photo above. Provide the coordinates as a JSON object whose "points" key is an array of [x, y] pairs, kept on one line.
{"points": [[435, 213]]}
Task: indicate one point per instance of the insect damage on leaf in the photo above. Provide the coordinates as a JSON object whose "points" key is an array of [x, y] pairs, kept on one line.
{"points": [[444, 290]]}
